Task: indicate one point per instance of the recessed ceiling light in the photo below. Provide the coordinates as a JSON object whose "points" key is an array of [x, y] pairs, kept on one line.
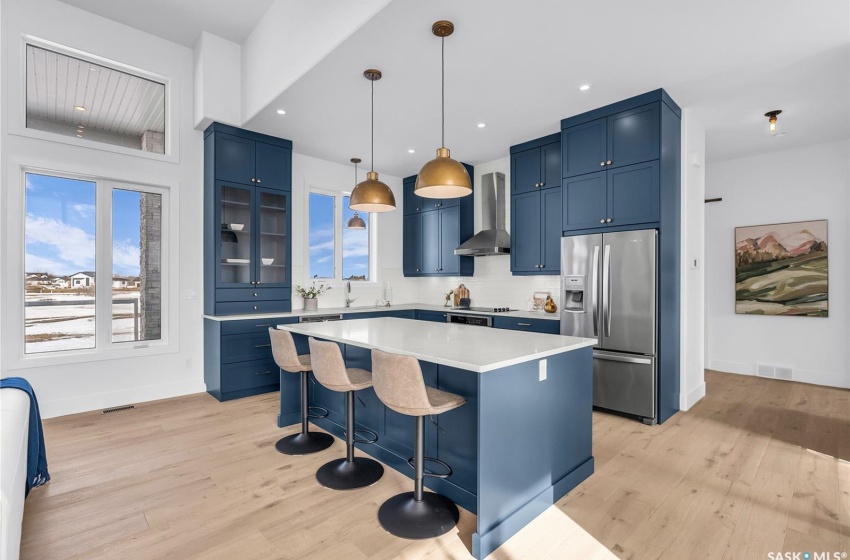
{"points": [[79, 108], [79, 135], [80, 126], [410, 151], [584, 87], [281, 112], [482, 125]]}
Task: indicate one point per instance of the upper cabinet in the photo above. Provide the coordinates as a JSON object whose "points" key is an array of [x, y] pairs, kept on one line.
{"points": [[536, 165], [244, 160], [247, 222], [433, 229], [624, 138]]}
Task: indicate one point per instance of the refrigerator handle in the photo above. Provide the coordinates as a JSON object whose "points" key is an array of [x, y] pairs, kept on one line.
{"points": [[606, 291], [594, 289]]}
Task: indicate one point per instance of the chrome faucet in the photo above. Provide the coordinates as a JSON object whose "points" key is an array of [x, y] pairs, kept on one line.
{"points": [[348, 300]]}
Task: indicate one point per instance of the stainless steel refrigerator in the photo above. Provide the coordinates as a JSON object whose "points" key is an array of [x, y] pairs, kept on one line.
{"points": [[608, 292]]}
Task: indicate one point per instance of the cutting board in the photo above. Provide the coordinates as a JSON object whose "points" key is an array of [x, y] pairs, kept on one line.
{"points": [[461, 292]]}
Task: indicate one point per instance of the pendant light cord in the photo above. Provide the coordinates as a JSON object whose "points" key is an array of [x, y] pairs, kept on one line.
{"points": [[373, 125], [443, 91]]}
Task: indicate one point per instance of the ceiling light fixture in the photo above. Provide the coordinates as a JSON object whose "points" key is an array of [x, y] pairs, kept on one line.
{"points": [[443, 177], [79, 108], [771, 118], [79, 135], [372, 195], [584, 87], [411, 151], [482, 125], [355, 222], [281, 112]]}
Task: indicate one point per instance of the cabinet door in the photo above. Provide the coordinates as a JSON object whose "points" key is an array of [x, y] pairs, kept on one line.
{"points": [[525, 171], [236, 247], [273, 166], [412, 245], [412, 202], [634, 136], [583, 148], [234, 159], [430, 242], [584, 201], [633, 194], [449, 240], [525, 232], [550, 165], [272, 238], [550, 212]]}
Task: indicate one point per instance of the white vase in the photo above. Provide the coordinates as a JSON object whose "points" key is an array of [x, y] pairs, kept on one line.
{"points": [[311, 304]]}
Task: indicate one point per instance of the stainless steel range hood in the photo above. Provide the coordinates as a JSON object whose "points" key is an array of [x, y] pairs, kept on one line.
{"points": [[493, 239]]}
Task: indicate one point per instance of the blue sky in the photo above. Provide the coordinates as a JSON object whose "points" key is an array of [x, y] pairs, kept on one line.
{"points": [[355, 243], [60, 228]]}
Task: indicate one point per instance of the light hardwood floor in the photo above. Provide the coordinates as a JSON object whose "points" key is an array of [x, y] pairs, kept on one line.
{"points": [[757, 466]]}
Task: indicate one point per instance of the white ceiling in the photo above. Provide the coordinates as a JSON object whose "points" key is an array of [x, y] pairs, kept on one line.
{"points": [[517, 66], [114, 101], [182, 21]]}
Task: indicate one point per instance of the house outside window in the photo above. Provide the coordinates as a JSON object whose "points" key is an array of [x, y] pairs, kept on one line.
{"points": [[336, 252]]}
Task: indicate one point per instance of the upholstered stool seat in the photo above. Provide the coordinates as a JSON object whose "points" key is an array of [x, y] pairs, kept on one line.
{"points": [[329, 368], [401, 387], [287, 359]]}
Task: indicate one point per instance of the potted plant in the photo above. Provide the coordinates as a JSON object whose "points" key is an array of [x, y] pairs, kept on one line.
{"points": [[311, 302]]}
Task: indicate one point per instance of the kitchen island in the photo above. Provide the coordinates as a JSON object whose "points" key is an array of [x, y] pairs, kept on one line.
{"points": [[521, 441]]}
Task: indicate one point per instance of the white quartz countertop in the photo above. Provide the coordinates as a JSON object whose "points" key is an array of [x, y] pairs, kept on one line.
{"points": [[372, 309], [466, 347]]}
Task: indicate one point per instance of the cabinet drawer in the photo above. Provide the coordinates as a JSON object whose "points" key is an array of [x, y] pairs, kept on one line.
{"points": [[252, 294], [258, 326], [546, 326], [434, 316], [252, 307], [245, 347], [248, 375]]}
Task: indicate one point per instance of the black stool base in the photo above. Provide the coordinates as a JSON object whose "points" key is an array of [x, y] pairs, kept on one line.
{"points": [[349, 475], [304, 443], [404, 517]]}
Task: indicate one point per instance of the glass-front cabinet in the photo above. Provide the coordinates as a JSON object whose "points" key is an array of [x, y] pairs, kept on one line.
{"points": [[253, 243]]}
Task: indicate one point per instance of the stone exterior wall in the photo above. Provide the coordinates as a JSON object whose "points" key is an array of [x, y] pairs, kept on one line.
{"points": [[153, 142], [150, 270]]}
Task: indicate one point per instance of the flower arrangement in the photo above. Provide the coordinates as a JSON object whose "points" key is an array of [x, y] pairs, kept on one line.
{"points": [[313, 292]]}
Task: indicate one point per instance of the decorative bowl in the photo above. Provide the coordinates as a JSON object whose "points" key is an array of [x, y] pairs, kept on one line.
{"points": [[237, 227], [267, 261]]}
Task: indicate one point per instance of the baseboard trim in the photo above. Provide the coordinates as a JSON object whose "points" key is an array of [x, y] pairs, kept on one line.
{"points": [[99, 401], [692, 397]]}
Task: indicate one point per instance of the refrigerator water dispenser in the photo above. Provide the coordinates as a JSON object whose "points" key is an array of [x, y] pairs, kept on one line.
{"points": [[573, 294]]}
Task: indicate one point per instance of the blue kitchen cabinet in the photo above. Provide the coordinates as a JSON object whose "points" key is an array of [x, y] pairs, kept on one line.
{"points": [[536, 228], [545, 326], [525, 171], [247, 222], [632, 194], [536, 164], [434, 316], [551, 231], [433, 228], [617, 140], [585, 201]]}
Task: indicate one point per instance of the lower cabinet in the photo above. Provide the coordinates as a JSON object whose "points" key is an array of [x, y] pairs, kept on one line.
{"points": [[545, 326], [238, 359], [435, 316]]}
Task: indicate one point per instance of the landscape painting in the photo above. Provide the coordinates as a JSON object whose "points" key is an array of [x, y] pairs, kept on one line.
{"points": [[782, 269]]}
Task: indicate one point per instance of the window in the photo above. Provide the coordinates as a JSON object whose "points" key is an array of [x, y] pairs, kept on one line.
{"points": [[73, 97], [335, 251], [67, 304]]}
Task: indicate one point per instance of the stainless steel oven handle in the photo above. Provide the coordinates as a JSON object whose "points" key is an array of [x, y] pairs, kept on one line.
{"points": [[594, 287], [606, 290]]}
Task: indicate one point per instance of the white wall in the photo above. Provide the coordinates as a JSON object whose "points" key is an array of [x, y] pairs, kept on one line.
{"points": [[692, 364], [808, 183], [85, 385]]}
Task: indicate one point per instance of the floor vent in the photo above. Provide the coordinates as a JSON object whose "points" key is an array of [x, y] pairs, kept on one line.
{"points": [[117, 409]]}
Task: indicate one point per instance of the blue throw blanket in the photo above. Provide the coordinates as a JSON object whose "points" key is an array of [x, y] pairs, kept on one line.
{"points": [[36, 456]]}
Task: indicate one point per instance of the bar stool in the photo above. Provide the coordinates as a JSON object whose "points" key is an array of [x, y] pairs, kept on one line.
{"points": [[399, 384], [329, 368], [287, 358]]}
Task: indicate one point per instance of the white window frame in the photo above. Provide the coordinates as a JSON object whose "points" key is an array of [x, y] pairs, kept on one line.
{"points": [[105, 348], [18, 100], [339, 226]]}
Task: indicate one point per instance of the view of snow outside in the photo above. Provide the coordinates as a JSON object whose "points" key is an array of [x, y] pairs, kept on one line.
{"points": [[355, 243], [60, 263]]}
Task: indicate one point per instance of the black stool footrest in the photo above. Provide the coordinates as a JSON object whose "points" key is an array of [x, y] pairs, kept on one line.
{"points": [[364, 441], [433, 474], [323, 412]]}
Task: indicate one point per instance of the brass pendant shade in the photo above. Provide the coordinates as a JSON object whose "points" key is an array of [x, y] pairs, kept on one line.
{"points": [[443, 177], [372, 195], [355, 222]]}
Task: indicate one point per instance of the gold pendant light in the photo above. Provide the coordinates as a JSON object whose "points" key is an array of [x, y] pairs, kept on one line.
{"points": [[372, 195], [355, 222], [443, 177]]}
